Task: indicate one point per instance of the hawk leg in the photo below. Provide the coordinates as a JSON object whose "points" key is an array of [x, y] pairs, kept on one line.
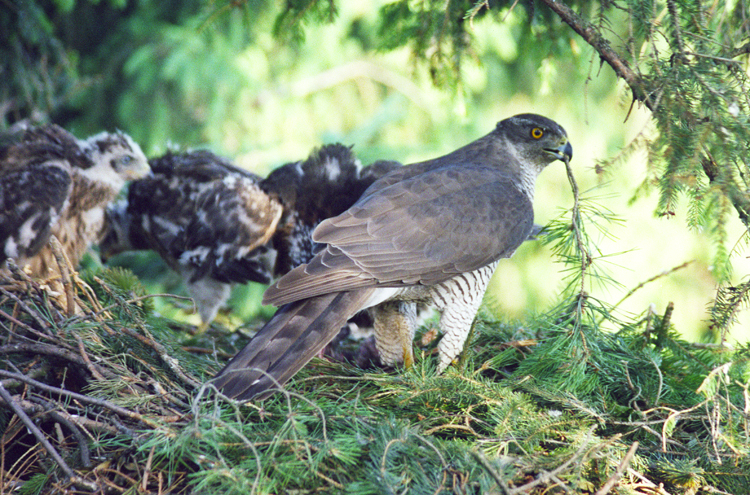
{"points": [[395, 323]]}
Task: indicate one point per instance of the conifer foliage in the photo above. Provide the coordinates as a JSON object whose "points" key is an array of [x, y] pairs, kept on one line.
{"points": [[106, 399]]}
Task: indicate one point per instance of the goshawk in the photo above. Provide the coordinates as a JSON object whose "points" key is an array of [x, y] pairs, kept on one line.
{"points": [[431, 232]]}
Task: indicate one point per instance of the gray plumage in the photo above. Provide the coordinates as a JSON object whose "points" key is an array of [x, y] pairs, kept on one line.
{"points": [[431, 232]]}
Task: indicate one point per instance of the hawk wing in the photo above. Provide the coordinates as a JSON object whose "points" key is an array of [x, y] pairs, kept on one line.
{"points": [[200, 211], [423, 229], [31, 200], [35, 181], [324, 185]]}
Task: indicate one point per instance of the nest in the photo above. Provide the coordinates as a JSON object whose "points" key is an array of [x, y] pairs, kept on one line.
{"points": [[99, 395], [80, 376]]}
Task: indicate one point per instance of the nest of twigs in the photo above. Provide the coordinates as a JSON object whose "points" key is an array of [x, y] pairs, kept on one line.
{"points": [[78, 378], [98, 394]]}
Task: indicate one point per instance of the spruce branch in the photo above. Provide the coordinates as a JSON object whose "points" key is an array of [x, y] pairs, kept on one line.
{"points": [[81, 397], [650, 91], [677, 32], [730, 300], [591, 34], [586, 259], [164, 354]]}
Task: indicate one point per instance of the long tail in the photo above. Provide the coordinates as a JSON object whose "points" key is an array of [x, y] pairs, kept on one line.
{"points": [[295, 334]]}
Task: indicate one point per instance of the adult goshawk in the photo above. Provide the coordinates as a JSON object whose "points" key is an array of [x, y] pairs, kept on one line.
{"points": [[431, 232]]}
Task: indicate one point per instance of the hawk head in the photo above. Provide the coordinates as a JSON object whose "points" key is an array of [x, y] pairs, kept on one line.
{"points": [[114, 159], [535, 139]]}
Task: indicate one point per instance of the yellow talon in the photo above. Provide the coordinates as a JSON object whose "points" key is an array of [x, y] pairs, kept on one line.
{"points": [[408, 356]]}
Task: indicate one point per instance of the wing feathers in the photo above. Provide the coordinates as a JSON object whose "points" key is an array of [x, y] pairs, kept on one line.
{"points": [[422, 230]]}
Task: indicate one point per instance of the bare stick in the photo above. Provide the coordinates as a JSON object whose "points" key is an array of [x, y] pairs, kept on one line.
{"points": [[23, 325], [36, 432], [655, 277], [478, 455], [83, 398], [82, 350], [593, 37], [618, 472], [52, 350], [39, 320]]}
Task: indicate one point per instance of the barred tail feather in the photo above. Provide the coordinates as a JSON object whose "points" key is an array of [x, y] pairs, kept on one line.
{"points": [[296, 333]]}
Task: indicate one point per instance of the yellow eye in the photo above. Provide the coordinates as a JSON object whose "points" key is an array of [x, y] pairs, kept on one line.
{"points": [[537, 133]]}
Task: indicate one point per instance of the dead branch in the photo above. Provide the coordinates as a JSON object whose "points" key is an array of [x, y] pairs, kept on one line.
{"points": [[83, 398]]}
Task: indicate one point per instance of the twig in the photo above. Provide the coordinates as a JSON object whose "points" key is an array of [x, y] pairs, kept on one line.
{"points": [[82, 441], [647, 482], [675, 16], [335, 483], [585, 256], [49, 350], [134, 300], [673, 415], [203, 350], [43, 324], [593, 37], [727, 61], [23, 325], [478, 455], [655, 277], [36, 432], [661, 333], [34, 406], [462, 428], [545, 476], [64, 265], [661, 380], [606, 487], [147, 469], [82, 350], [83, 398], [20, 274], [164, 355]]}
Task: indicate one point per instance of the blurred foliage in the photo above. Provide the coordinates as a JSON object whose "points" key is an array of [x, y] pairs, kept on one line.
{"points": [[184, 71]]}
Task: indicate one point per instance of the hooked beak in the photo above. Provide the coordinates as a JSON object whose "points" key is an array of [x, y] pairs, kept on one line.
{"points": [[138, 172], [563, 152]]}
